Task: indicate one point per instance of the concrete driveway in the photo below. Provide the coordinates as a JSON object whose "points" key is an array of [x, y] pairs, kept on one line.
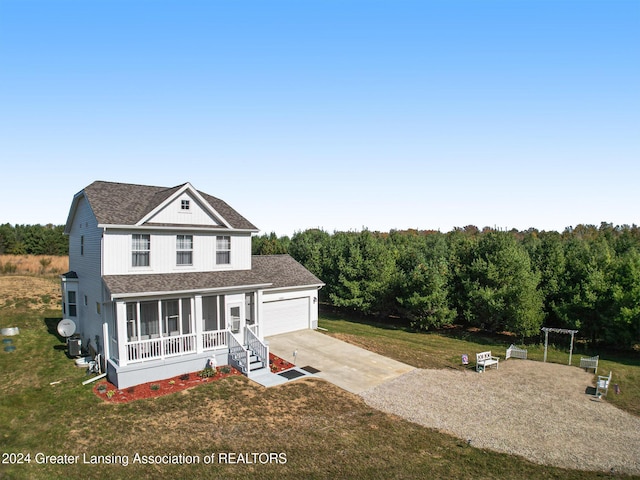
{"points": [[347, 366]]}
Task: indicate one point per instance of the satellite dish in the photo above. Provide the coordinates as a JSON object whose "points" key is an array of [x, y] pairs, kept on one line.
{"points": [[66, 327]]}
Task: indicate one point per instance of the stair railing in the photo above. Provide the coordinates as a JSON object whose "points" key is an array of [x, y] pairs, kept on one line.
{"points": [[257, 346], [238, 354]]}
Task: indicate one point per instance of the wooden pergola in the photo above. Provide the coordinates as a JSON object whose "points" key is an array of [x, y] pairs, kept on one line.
{"points": [[546, 331]]}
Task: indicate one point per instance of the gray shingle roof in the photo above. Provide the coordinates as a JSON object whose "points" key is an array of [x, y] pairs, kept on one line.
{"points": [[126, 204], [270, 271]]}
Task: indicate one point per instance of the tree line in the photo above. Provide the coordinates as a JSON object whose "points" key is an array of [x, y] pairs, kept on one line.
{"points": [[33, 239], [585, 278]]}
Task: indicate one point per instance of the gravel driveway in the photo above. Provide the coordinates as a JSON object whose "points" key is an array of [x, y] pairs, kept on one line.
{"points": [[537, 410]]}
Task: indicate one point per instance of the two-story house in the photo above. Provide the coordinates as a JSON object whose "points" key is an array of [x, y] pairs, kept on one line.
{"points": [[162, 281]]}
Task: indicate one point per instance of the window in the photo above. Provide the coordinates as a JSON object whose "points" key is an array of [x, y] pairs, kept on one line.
{"points": [[184, 205], [223, 250], [140, 249], [149, 323], [81, 244], [213, 315], [248, 309], [71, 301], [186, 315], [184, 250], [234, 312], [170, 316], [132, 321]]}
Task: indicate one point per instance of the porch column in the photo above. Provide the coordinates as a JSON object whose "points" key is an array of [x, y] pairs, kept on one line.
{"points": [[197, 318], [258, 308], [121, 331], [106, 339]]}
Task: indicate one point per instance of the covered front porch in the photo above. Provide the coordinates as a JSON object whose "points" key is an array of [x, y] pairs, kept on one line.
{"points": [[161, 337]]}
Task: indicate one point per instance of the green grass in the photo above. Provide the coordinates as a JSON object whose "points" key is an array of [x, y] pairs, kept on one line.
{"points": [[323, 431]]}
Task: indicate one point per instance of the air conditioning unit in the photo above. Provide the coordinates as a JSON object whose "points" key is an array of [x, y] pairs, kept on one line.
{"points": [[74, 346]]}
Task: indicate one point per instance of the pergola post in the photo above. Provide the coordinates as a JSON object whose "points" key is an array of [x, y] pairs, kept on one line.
{"points": [[571, 349], [546, 331], [546, 343]]}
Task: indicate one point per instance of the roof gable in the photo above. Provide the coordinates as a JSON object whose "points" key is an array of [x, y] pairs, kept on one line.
{"points": [[128, 204], [185, 206]]}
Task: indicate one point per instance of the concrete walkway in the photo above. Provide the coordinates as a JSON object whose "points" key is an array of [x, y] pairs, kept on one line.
{"points": [[347, 366]]}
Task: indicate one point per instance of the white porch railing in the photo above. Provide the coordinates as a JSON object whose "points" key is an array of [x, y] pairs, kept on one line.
{"points": [[214, 339], [255, 329], [238, 355], [257, 346], [155, 348]]}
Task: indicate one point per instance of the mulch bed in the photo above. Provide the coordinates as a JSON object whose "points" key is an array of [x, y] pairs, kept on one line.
{"points": [[110, 393], [278, 364]]}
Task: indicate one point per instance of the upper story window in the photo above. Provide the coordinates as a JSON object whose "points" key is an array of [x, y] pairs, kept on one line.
{"points": [[81, 244], [184, 249], [185, 205], [140, 249], [223, 250]]}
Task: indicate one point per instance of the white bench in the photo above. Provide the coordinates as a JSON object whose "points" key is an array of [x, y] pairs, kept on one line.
{"points": [[602, 385], [590, 362], [484, 360], [515, 352]]}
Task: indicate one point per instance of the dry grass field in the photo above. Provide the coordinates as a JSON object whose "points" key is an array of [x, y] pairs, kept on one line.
{"points": [[34, 293], [31, 281], [33, 264]]}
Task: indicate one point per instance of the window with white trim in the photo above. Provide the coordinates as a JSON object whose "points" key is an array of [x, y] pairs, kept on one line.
{"points": [[184, 205], [223, 250], [71, 302], [140, 249], [184, 250]]}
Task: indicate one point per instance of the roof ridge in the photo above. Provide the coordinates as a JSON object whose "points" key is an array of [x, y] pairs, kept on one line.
{"points": [[119, 203]]}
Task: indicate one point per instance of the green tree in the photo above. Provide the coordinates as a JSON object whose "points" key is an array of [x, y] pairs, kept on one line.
{"points": [[623, 325], [547, 258], [583, 302], [269, 244], [360, 271], [311, 249], [421, 280], [501, 287]]}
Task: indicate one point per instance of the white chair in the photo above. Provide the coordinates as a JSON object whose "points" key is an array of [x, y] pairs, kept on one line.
{"points": [[602, 385]]}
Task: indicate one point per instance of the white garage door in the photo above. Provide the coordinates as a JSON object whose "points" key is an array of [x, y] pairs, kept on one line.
{"points": [[285, 316]]}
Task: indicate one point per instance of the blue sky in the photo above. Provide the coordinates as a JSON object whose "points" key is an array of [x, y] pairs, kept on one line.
{"points": [[335, 114]]}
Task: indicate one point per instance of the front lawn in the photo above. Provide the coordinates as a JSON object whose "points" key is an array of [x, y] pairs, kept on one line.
{"points": [[231, 428]]}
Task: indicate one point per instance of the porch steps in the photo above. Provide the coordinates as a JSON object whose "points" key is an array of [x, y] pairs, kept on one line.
{"points": [[255, 363]]}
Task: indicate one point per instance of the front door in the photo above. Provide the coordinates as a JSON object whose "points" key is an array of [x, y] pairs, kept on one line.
{"points": [[234, 315]]}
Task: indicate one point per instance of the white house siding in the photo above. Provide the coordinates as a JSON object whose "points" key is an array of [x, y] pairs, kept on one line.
{"points": [[174, 214], [117, 250], [88, 267]]}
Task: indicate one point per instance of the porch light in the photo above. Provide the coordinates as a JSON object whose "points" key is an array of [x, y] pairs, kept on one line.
{"points": [[315, 299]]}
